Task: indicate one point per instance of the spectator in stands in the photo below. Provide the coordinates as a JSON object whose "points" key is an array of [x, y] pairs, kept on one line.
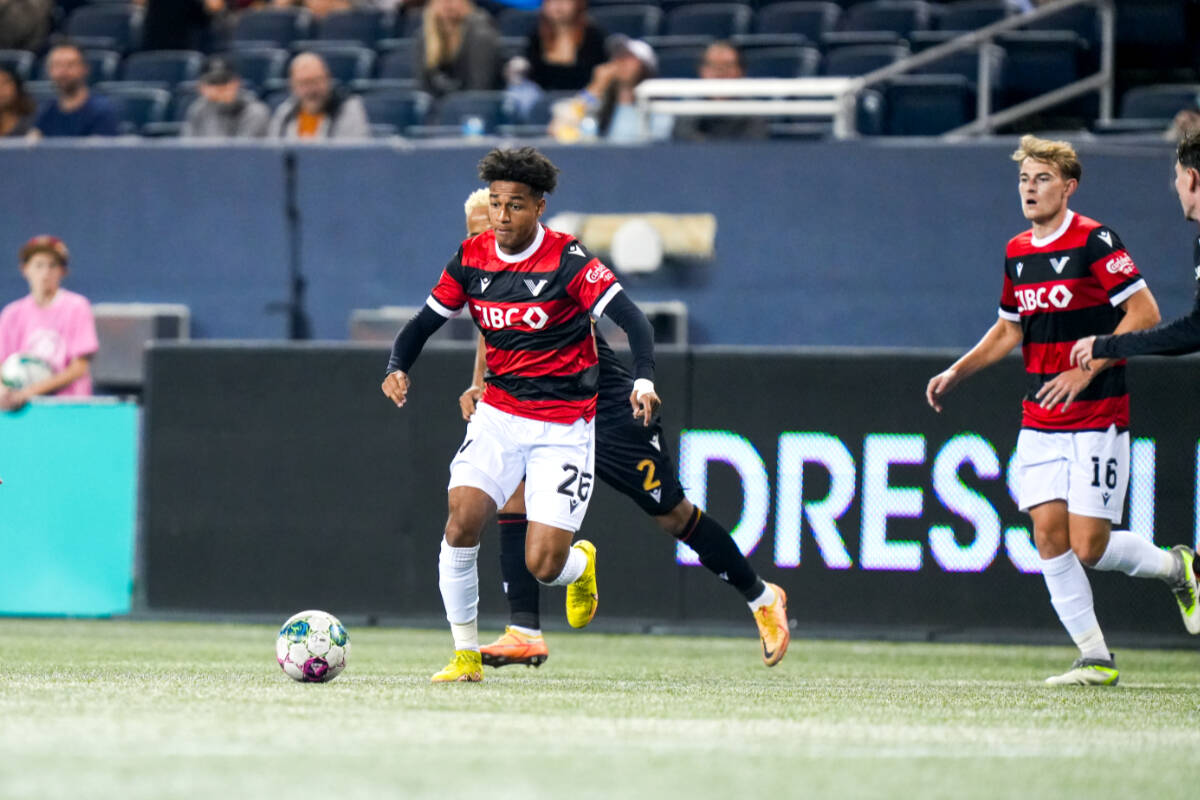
{"points": [[50, 323], [610, 93], [565, 47], [458, 48], [223, 109], [76, 111], [180, 24], [24, 24], [520, 93], [318, 8], [721, 61], [316, 110], [16, 106]]}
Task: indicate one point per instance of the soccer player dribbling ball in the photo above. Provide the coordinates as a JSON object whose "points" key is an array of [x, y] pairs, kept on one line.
{"points": [[1066, 278], [633, 458], [533, 293]]}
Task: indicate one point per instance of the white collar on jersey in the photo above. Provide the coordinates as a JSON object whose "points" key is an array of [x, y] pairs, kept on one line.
{"points": [[1066, 223], [527, 252]]}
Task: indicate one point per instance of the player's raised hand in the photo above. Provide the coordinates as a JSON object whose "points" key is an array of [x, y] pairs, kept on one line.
{"points": [[1081, 354], [395, 386], [939, 386], [1063, 388], [644, 401], [468, 400]]}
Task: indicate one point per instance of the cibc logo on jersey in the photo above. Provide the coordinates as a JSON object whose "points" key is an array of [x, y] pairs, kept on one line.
{"points": [[496, 318], [1043, 297]]}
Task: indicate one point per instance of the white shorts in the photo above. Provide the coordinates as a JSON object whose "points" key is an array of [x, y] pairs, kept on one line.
{"points": [[1088, 469], [556, 461]]}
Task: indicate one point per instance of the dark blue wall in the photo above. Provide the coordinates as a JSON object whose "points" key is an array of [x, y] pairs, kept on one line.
{"points": [[842, 243]]}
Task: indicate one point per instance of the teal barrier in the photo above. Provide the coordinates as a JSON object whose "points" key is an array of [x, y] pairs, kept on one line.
{"points": [[67, 508]]}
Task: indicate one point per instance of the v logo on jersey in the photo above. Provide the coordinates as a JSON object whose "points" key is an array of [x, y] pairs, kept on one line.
{"points": [[1020, 266], [1106, 237], [536, 288], [484, 283], [1106, 497], [576, 250], [1059, 263], [654, 442], [574, 504]]}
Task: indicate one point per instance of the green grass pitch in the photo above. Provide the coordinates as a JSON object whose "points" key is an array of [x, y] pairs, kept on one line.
{"points": [[116, 709]]}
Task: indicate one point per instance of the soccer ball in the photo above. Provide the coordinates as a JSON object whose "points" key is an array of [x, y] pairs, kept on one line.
{"points": [[312, 647], [20, 370]]}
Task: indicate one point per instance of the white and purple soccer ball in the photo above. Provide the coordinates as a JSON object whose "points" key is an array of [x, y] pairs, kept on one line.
{"points": [[312, 647]]}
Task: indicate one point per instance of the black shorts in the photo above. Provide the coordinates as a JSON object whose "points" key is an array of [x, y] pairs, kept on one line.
{"points": [[634, 459]]}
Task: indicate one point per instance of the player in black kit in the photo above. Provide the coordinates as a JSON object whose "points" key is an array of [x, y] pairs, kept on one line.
{"points": [[1178, 337], [632, 457]]}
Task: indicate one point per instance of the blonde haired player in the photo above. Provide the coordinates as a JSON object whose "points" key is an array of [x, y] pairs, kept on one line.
{"points": [[632, 458], [1066, 278]]}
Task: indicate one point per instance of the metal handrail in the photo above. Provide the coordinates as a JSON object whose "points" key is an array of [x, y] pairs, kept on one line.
{"points": [[982, 39], [836, 97]]}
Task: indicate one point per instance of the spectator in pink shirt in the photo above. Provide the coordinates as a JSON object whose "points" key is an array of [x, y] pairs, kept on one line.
{"points": [[51, 323]]}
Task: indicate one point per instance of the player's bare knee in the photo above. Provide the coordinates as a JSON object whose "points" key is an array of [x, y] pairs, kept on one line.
{"points": [[676, 521], [544, 563], [461, 533], [1088, 551]]}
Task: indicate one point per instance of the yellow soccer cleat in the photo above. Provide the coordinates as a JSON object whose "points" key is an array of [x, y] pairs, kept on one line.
{"points": [[515, 647], [465, 667], [582, 597], [773, 627]]}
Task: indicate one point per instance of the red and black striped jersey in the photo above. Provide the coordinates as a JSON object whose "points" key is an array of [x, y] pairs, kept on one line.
{"points": [[535, 310], [1062, 289]]}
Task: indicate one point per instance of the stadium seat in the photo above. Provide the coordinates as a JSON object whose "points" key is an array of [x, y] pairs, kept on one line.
{"points": [[926, 105], [105, 27], [382, 84], [964, 63], [510, 46], [102, 66], [1161, 102], [408, 25], [366, 26], [347, 62], [969, 15], [455, 109], [861, 59], [258, 66], [680, 62], [1038, 61], [398, 61], [137, 105], [181, 100], [1081, 20], [718, 20], [163, 66], [517, 22], [859, 38], [636, 21], [41, 91], [751, 41], [782, 62], [401, 109], [898, 16], [19, 61], [812, 19], [279, 26]]}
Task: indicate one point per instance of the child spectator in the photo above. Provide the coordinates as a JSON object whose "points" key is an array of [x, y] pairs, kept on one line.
{"points": [[51, 323]]}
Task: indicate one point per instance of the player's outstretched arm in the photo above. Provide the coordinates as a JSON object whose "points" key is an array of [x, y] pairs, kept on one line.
{"points": [[405, 350], [1176, 338], [998, 342], [644, 400], [470, 397]]}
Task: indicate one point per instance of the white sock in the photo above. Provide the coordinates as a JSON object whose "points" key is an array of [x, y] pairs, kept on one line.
{"points": [[1071, 596], [1138, 557], [576, 564], [765, 599], [526, 631], [458, 579], [466, 635]]}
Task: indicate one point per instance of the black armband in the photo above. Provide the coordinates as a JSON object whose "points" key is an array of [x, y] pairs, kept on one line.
{"points": [[412, 338]]}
